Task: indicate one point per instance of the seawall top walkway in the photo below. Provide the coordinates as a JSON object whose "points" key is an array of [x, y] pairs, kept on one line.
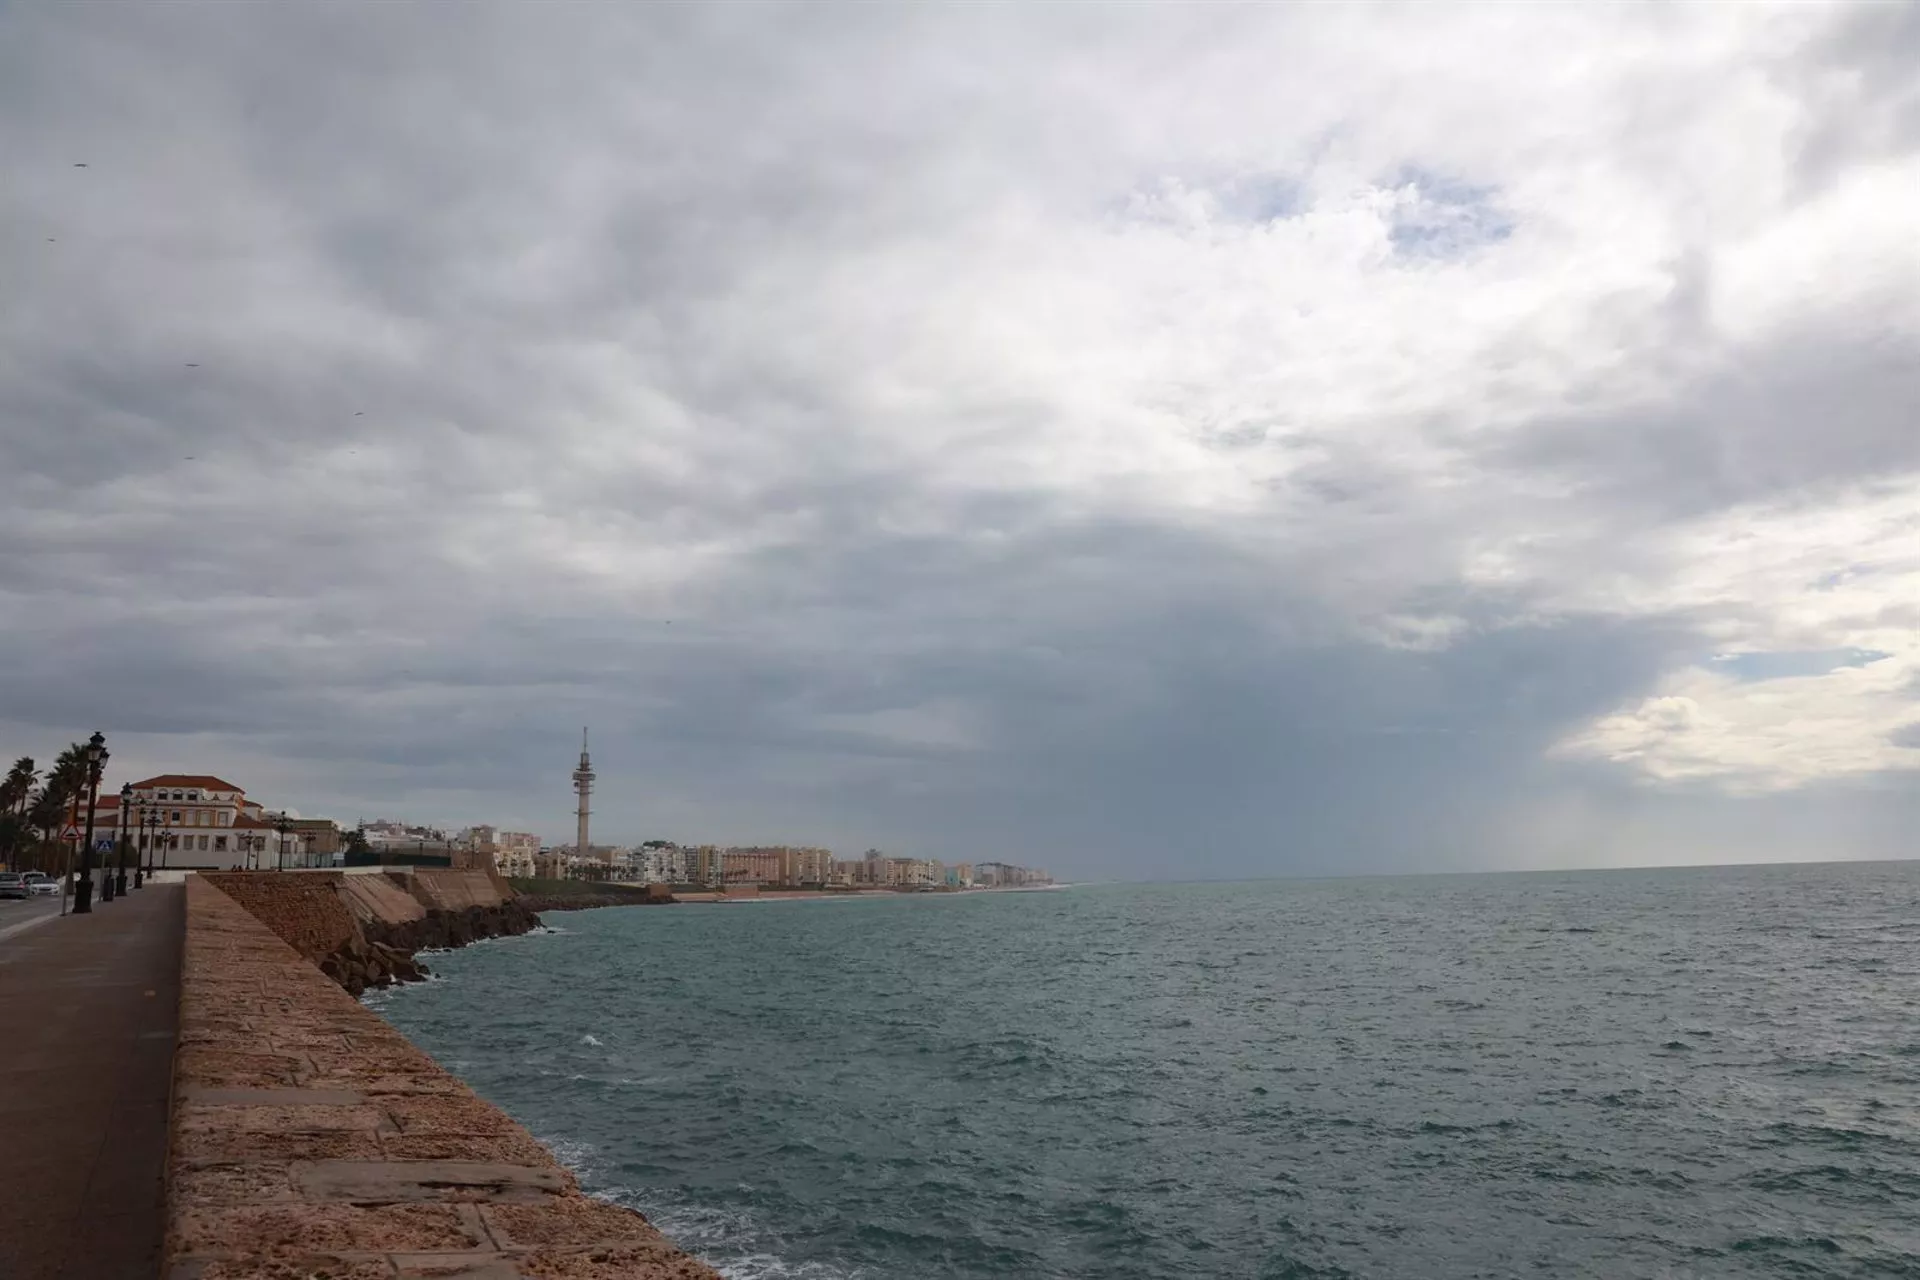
{"points": [[89, 1010], [311, 1138]]}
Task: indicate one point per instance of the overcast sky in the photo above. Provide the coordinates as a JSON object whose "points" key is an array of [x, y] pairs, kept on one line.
{"points": [[1186, 441]]}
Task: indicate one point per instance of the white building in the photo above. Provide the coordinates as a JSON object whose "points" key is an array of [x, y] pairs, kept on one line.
{"points": [[196, 820]]}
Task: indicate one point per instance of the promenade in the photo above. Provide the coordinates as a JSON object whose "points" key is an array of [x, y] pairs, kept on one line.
{"points": [[89, 1007]]}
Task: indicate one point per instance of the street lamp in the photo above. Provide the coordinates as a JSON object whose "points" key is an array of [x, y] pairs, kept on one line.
{"points": [[83, 889], [139, 858], [120, 842], [282, 825]]}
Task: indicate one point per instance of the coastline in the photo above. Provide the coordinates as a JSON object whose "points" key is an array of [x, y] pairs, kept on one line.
{"points": [[591, 895]]}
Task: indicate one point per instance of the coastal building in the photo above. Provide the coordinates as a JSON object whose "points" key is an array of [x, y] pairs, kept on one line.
{"points": [[511, 853], [1004, 875], [515, 852], [404, 841], [658, 862], [200, 821], [750, 866], [704, 866]]}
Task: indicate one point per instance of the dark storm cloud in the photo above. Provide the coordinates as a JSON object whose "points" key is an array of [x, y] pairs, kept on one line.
{"points": [[963, 430]]}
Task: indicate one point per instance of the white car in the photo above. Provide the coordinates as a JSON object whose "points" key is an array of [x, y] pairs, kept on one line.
{"points": [[41, 885], [13, 885]]}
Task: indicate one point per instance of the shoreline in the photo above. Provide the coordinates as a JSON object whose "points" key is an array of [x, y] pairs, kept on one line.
{"points": [[617, 894]]}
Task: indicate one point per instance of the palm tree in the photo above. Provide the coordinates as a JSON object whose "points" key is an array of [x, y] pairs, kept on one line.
{"points": [[47, 813], [18, 785], [12, 830], [68, 777]]}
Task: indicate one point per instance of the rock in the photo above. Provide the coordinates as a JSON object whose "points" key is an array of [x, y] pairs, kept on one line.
{"points": [[379, 954]]}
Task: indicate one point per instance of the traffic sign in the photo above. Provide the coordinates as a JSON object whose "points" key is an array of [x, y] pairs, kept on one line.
{"points": [[70, 834], [103, 846]]}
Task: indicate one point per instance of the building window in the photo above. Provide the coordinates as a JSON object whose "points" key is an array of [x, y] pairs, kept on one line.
{"points": [[203, 842], [175, 817], [219, 844]]}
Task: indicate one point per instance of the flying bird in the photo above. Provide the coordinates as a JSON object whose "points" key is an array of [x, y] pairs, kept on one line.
{"points": [[358, 414], [80, 164], [193, 366]]}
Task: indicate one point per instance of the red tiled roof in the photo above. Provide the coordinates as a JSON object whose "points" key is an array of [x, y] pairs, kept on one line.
{"points": [[204, 781]]}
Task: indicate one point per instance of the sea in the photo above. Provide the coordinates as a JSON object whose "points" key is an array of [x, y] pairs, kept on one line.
{"points": [[1672, 1073]]}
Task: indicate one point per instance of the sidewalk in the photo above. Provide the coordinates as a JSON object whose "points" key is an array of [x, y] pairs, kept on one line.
{"points": [[89, 1012]]}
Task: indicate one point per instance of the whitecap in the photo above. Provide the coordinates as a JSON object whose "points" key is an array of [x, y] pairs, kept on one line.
{"points": [[589, 1039], [762, 1266]]}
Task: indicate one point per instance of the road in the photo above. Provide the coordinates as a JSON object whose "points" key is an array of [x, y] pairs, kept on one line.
{"points": [[17, 915]]}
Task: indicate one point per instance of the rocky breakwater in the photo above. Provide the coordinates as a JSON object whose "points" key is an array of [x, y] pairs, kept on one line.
{"points": [[365, 930], [310, 1139], [584, 898]]}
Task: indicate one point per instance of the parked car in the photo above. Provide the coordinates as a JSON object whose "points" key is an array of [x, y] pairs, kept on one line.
{"points": [[13, 885], [40, 884]]}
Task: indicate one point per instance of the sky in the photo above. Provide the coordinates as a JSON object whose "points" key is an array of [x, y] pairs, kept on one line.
{"points": [[1174, 442]]}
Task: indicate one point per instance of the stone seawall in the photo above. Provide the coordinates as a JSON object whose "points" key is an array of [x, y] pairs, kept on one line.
{"points": [[312, 1139], [363, 931]]}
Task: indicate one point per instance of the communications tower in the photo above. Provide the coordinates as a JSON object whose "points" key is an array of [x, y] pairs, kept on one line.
{"points": [[583, 787]]}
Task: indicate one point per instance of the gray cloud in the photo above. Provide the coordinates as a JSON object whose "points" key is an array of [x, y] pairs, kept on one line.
{"points": [[1148, 441]]}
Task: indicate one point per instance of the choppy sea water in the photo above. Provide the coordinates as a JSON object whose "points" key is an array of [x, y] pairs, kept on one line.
{"points": [[1670, 1073]]}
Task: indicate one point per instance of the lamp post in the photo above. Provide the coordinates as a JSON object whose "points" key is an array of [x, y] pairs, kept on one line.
{"points": [[120, 842], [83, 888], [139, 857], [282, 825]]}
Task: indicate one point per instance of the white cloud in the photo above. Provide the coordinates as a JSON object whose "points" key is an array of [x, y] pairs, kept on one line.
{"points": [[1840, 571], [861, 344]]}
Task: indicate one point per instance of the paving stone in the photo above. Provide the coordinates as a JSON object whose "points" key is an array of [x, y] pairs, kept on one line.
{"points": [[515, 1146], [573, 1220], [445, 1114], [312, 1267], [227, 1144], [224, 1096], [364, 1181], [280, 1231]]}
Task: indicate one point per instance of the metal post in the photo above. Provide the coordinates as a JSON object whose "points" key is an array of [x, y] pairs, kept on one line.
{"points": [[120, 842], [83, 887]]}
